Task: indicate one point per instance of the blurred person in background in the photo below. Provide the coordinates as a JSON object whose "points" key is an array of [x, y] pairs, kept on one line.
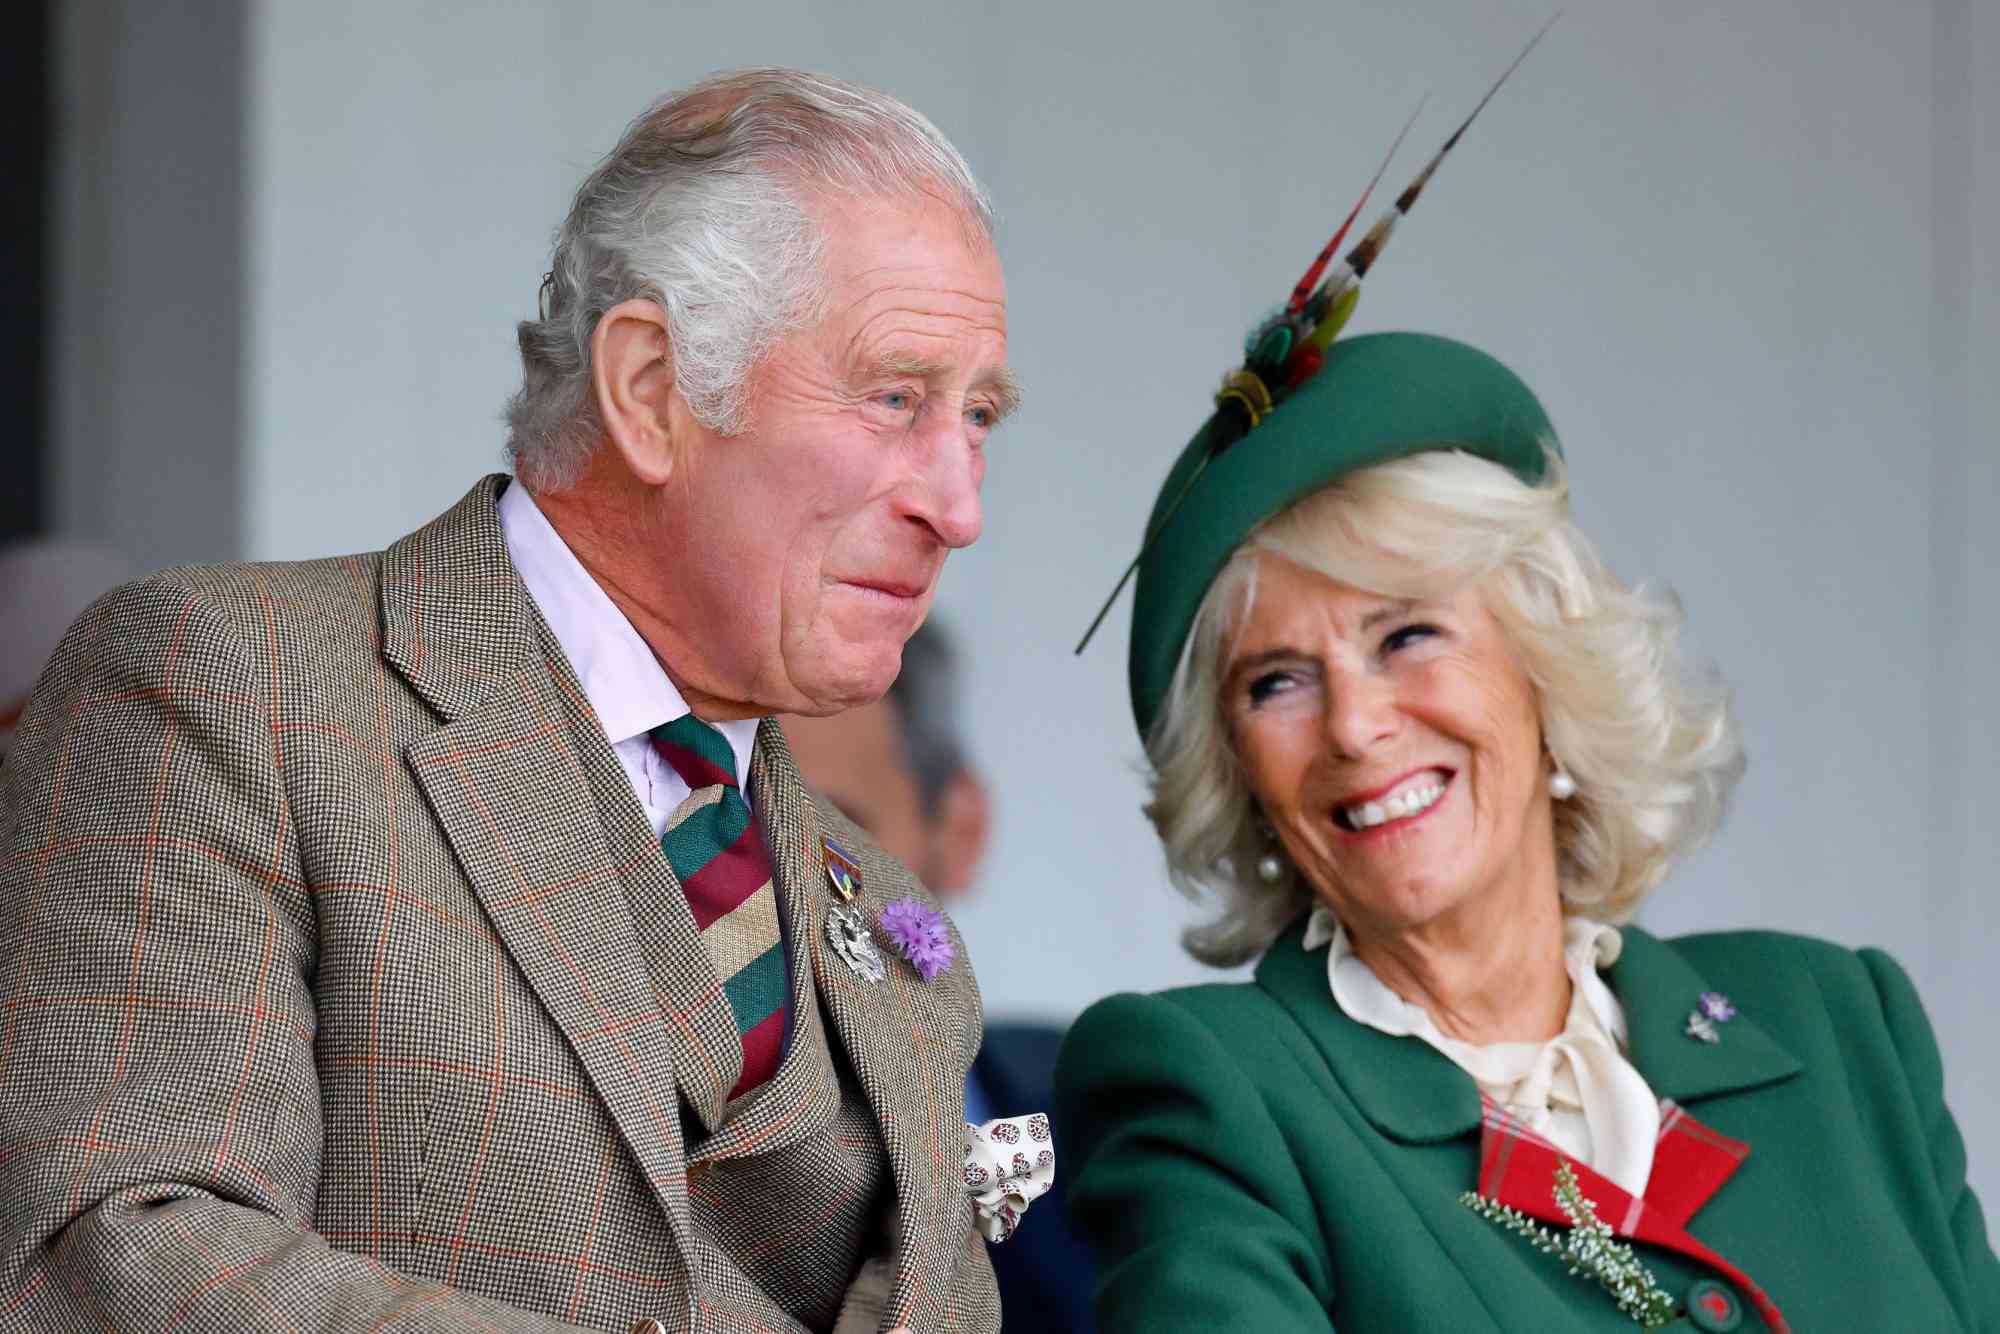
{"points": [[443, 936], [899, 769]]}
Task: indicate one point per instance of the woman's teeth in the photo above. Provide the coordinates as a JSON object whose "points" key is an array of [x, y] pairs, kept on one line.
{"points": [[1368, 814]]}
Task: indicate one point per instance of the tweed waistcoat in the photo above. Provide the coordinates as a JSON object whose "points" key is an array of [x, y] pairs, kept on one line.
{"points": [[801, 1151], [342, 982]]}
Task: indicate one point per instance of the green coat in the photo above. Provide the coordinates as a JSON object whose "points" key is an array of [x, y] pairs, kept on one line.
{"points": [[1245, 1157]]}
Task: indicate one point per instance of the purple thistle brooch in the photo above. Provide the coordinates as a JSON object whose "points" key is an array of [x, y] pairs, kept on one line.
{"points": [[1710, 1008], [918, 932]]}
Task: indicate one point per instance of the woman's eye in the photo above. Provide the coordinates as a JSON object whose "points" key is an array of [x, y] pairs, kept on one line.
{"points": [[1406, 636], [1269, 684]]}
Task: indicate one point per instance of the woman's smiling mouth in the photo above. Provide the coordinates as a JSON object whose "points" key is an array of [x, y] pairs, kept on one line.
{"points": [[1397, 804]]}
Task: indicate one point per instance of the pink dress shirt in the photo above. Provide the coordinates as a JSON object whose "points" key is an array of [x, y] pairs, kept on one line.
{"points": [[620, 676]]}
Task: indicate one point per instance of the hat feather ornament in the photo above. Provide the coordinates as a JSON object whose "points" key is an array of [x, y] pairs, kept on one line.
{"points": [[1288, 348]]}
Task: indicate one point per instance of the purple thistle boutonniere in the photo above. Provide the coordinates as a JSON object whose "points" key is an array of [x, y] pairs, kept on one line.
{"points": [[919, 933]]}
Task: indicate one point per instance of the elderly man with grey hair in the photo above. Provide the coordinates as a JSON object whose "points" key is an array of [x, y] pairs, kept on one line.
{"points": [[443, 938]]}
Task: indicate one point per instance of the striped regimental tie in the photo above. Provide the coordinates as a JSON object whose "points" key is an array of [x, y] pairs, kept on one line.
{"points": [[722, 865]]}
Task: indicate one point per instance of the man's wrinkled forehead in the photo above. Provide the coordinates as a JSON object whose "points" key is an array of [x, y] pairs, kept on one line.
{"points": [[910, 293], [869, 230]]}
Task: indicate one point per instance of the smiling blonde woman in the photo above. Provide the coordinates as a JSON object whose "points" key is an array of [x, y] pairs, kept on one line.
{"points": [[1428, 755]]}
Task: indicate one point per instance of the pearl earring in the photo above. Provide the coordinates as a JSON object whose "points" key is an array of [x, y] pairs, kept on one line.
{"points": [[1270, 866], [1561, 786]]}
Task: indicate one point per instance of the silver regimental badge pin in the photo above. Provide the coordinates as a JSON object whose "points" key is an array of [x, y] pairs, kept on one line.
{"points": [[846, 929]]}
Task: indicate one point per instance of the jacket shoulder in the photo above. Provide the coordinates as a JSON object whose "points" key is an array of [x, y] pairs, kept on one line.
{"points": [[184, 605], [282, 588], [1780, 956], [1859, 1002], [1239, 1022], [244, 600]]}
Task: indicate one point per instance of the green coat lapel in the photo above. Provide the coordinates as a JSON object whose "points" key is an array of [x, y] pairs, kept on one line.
{"points": [[1410, 1092], [1658, 989], [1406, 1088]]}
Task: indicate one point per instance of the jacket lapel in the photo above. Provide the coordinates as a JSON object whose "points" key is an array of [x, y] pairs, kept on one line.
{"points": [[1406, 1088], [1658, 988], [1690, 1164], [514, 798], [677, 971], [1518, 1169], [1412, 1093], [893, 1031]]}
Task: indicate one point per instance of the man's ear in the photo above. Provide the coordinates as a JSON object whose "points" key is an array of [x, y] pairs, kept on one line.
{"points": [[959, 834], [632, 377]]}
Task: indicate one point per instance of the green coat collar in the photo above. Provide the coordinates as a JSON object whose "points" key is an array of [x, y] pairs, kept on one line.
{"points": [[1658, 989], [1412, 1093]]}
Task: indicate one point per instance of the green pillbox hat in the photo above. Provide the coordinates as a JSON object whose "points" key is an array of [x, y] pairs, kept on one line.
{"points": [[1378, 397]]}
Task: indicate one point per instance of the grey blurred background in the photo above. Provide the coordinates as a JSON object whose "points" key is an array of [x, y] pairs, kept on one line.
{"points": [[1744, 251]]}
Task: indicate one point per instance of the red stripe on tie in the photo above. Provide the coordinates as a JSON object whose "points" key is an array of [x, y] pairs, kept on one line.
{"points": [[761, 1048], [695, 768], [730, 877]]}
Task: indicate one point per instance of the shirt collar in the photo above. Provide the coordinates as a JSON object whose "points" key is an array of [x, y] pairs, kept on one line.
{"points": [[1587, 947], [621, 678]]}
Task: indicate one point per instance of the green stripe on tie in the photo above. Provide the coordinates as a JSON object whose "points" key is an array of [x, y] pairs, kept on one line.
{"points": [[725, 872], [758, 988], [704, 835], [701, 738]]}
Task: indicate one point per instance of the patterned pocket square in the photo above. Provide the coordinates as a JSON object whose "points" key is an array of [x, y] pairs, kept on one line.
{"points": [[1009, 1164]]}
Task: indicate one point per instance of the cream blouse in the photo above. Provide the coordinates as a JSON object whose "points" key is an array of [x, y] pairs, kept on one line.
{"points": [[1575, 1090]]}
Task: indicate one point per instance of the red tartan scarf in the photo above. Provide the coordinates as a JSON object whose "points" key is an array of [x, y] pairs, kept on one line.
{"points": [[1690, 1162]]}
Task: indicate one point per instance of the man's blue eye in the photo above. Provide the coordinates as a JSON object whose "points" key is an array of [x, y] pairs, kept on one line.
{"points": [[898, 400]]}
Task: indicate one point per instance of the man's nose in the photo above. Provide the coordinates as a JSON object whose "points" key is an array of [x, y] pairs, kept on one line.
{"points": [[944, 495]]}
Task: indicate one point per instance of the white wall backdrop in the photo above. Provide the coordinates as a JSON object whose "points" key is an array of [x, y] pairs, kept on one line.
{"points": [[146, 289], [1743, 251]]}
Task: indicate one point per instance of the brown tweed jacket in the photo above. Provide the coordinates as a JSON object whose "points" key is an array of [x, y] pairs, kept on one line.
{"points": [[344, 986]]}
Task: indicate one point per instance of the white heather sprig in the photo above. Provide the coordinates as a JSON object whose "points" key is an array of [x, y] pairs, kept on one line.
{"points": [[1588, 1248]]}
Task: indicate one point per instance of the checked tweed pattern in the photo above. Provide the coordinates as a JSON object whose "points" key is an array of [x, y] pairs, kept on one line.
{"points": [[343, 985], [722, 866]]}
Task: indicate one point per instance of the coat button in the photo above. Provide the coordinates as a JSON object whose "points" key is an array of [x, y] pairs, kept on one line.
{"points": [[648, 1327], [1713, 1307]]}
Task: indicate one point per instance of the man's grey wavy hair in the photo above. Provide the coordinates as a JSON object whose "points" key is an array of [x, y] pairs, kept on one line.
{"points": [[702, 207], [1653, 748]]}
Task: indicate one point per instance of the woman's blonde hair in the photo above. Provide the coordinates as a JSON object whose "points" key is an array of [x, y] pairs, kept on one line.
{"points": [[1655, 754]]}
